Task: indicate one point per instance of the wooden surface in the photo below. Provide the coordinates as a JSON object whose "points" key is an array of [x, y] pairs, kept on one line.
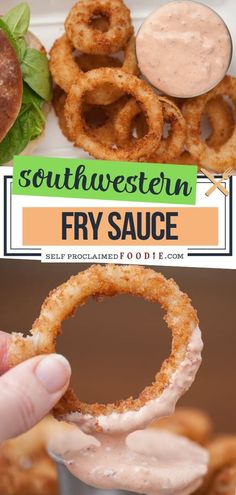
{"points": [[117, 346]]}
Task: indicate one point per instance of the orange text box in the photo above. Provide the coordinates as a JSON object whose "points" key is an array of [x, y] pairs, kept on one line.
{"points": [[183, 226]]}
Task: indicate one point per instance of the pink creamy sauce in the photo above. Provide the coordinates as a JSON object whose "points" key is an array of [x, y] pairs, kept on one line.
{"points": [[184, 48], [144, 461]]}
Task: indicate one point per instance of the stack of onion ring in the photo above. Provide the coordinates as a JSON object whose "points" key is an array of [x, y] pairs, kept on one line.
{"points": [[86, 65]]}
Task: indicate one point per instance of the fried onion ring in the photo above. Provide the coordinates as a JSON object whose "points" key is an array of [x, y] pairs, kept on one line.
{"points": [[108, 93], [222, 452], [127, 83], [58, 102], [100, 22], [109, 280], [89, 40], [63, 66], [185, 159], [66, 69], [91, 62], [99, 119], [225, 482], [189, 422], [221, 118], [169, 147], [217, 160], [25, 466]]}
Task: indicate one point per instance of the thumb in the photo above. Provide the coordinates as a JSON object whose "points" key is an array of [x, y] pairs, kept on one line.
{"points": [[29, 391]]}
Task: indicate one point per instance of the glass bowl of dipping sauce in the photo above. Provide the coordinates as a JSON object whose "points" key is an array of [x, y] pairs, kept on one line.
{"points": [[184, 48]]}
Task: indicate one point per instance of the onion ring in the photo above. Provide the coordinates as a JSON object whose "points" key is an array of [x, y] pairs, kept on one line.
{"points": [[62, 64], [221, 118], [189, 422], [58, 102], [66, 69], [89, 40], [215, 160], [169, 147], [149, 102], [185, 159], [109, 280], [173, 145], [224, 482], [90, 62], [222, 452], [124, 120], [25, 466], [99, 119], [107, 93]]}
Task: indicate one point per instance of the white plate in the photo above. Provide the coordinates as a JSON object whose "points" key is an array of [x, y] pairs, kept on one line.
{"points": [[47, 17]]}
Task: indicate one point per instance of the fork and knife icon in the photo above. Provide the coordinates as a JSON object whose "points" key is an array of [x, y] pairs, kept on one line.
{"points": [[217, 184]]}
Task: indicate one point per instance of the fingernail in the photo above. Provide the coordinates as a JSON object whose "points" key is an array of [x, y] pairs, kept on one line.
{"points": [[53, 372]]}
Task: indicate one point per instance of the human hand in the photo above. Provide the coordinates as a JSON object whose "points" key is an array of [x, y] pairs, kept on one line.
{"points": [[30, 390]]}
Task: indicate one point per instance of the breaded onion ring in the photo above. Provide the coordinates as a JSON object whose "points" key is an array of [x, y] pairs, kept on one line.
{"points": [[127, 83], [221, 118], [224, 482], [90, 62], [25, 466], [89, 40], [11, 85], [66, 69], [58, 102], [99, 120], [189, 422], [110, 280], [108, 93], [217, 160], [169, 147], [222, 452], [185, 159], [62, 64], [173, 144]]}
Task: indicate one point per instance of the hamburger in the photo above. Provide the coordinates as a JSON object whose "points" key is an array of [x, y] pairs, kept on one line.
{"points": [[25, 85]]}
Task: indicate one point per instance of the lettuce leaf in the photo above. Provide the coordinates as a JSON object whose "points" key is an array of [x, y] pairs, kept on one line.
{"points": [[36, 74], [18, 19]]}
